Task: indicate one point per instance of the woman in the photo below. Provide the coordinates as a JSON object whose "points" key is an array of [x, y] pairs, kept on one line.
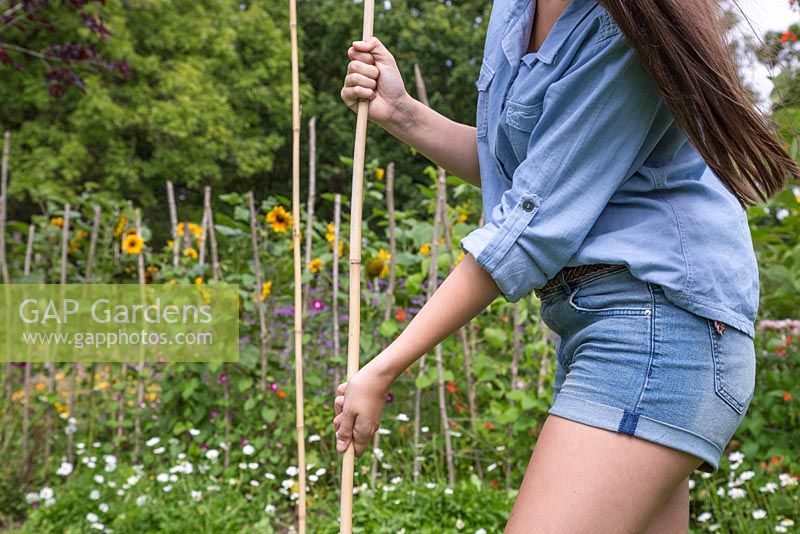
{"points": [[616, 151]]}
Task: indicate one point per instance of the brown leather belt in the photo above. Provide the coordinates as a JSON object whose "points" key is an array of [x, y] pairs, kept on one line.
{"points": [[573, 273]]}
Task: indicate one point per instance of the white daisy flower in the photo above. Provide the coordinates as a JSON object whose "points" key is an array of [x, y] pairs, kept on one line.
{"points": [[759, 513]]}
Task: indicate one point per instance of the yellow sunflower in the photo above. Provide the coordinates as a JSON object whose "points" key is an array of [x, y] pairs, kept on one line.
{"points": [[192, 253], [379, 173], [379, 264], [315, 265], [132, 244], [462, 217], [266, 289], [198, 281], [120, 226], [330, 236], [425, 249], [279, 219], [57, 221]]}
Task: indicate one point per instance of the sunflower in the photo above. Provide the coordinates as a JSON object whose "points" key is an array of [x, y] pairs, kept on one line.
{"points": [[462, 217], [57, 221], [315, 265], [120, 225], [379, 173], [330, 236], [266, 289], [198, 281], [132, 244], [425, 249], [378, 265], [192, 253], [279, 219]]}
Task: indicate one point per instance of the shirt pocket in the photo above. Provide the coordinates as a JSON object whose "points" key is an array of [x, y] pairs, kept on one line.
{"points": [[518, 123], [482, 113]]}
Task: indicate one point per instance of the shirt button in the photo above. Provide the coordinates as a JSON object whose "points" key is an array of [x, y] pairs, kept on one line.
{"points": [[527, 205]]}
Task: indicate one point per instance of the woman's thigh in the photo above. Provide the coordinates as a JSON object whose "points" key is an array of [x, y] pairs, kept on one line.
{"points": [[584, 479]]}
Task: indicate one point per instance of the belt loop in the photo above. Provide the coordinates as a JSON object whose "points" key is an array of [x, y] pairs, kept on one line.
{"points": [[562, 281]]}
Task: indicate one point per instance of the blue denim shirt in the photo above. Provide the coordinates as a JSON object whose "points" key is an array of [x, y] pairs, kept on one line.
{"points": [[582, 162]]}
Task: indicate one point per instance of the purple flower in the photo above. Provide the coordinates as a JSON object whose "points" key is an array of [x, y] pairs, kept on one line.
{"points": [[389, 398], [317, 304], [223, 378], [203, 447], [212, 413], [243, 442], [273, 386]]}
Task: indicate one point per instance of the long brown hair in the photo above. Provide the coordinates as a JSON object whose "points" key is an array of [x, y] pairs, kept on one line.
{"points": [[682, 45]]}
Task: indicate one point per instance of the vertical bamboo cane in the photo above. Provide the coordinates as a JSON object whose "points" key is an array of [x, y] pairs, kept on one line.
{"points": [[216, 272], [312, 185], [92, 243], [298, 289], [387, 314], [173, 219], [26, 268], [137, 421], [4, 205], [354, 323], [262, 321], [201, 260], [337, 209], [421, 370]]}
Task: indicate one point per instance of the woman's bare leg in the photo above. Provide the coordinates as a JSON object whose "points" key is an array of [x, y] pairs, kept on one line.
{"points": [[583, 479], [673, 517]]}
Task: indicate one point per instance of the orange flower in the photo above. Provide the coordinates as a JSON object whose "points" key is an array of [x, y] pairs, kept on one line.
{"points": [[775, 459], [788, 36], [787, 396], [281, 394], [504, 318], [489, 425], [400, 315], [451, 386]]}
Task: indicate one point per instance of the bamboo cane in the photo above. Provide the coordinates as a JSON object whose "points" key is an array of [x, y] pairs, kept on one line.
{"points": [[422, 362], [173, 219], [137, 422], [387, 314], [337, 209], [203, 238], [262, 321], [26, 268], [312, 186], [298, 289], [354, 323], [93, 243], [216, 271], [4, 204]]}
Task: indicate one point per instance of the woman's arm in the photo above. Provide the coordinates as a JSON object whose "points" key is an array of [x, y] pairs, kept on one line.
{"points": [[373, 75], [450, 144], [462, 295]]}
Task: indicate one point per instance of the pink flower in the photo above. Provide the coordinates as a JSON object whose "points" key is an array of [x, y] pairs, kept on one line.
{"points": [[317, 304], [223, 378], [273, 386]]}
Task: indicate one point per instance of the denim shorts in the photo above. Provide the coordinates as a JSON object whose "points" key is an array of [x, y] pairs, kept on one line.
{"points": [[631, 361]]}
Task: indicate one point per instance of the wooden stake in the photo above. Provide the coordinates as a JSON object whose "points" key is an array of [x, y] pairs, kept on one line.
{"points": [[173, 219], [298, 289], [26, 269], [354, 323], [4, 205], [387, 313], [216, 272], [93, 243], [312, 185], [337, 209]]}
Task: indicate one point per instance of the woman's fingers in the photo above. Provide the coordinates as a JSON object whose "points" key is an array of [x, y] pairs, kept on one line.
{"points": [[354, 79], [359, 67], [345, 432], [355, 55], [341, 387], [338, 403]]}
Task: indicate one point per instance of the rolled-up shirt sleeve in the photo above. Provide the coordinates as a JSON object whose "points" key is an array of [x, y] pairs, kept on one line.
{"points": [[599, 121]]}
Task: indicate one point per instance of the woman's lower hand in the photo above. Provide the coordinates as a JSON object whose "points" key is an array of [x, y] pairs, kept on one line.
{"points": [[358, 409], [372, 74]]}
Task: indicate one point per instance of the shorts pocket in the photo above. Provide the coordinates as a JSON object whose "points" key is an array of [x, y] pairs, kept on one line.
{"points": [[615, 292], [734, 365]]}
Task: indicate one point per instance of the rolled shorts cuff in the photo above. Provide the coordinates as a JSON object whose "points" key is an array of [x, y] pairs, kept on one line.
{"points": [[635, 424]]}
